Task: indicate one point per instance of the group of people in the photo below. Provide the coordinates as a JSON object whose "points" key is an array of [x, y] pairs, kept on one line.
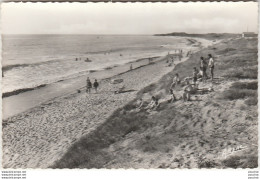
{"points": [[207, 63], [188, 89], [192, 88], [153, 105], [87, 59], [89, 85]]}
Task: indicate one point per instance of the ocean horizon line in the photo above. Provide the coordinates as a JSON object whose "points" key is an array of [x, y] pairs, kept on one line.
{"points": [[166, 33]]}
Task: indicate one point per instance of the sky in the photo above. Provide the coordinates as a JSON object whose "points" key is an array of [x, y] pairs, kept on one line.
{"points": [[128, 18]]}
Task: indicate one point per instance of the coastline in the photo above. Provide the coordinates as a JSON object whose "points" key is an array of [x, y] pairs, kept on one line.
{"points": [[53, 126], [22, 90], [21, 100]]}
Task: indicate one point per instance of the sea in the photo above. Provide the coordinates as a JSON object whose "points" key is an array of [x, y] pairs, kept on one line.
{"points": [[29, 61]]}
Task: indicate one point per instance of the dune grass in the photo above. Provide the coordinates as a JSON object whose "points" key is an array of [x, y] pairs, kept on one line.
{"points": [[241, 162], [233, 94], [242, 73], [245, 85], [242, 90]]}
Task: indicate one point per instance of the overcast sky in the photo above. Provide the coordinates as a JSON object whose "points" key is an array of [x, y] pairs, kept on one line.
{"points": [[128, 18]]}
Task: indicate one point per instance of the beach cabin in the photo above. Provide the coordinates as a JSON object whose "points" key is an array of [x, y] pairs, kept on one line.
{"points": [[248, 34]]}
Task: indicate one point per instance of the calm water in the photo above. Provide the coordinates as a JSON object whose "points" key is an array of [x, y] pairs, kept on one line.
{"points": [[32, 60]]}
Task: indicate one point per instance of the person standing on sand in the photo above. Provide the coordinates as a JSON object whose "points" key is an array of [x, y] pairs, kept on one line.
{"points": [[89, 85], [95, 84], [176, 80], [173, 97], [131, 67], [211, 66], [203, 67], [195, 75]]}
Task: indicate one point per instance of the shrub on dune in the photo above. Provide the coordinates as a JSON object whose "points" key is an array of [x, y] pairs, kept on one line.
{"points": [[244, 73], [252, 101], [245, 85], [233, 94]]}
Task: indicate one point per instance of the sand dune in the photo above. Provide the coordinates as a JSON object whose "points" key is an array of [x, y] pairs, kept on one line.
{"points": [[217, 129]]}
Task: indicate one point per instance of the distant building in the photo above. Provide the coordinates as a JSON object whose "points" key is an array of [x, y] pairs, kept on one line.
{"points": [[249, 34]]}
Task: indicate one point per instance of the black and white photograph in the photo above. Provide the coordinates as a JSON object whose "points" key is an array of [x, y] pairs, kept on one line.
{"points": [[129, 85]]}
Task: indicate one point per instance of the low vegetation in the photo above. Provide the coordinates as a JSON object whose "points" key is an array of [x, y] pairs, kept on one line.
{"points": [[242, 90]]}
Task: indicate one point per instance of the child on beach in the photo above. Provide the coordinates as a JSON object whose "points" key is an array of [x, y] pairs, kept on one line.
{"points": [[95, 84], [138, 106], [188, 90], [211, 65], [153, 105], [140, 103], [195, 75], [203, 67], [173, 97], [176, 80], [89, 85]]}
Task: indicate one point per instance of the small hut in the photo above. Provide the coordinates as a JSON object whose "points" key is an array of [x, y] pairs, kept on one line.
{"points": [[248, 34]]}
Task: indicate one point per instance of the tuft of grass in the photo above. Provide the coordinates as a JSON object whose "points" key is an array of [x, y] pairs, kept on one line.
{"points": [[242, 90], [225, 51], [252, 101], [241, 162], [233, 94], [232, 162], [245, 85], [243, 73], [150, 149], [147, 89], [207, 164]]}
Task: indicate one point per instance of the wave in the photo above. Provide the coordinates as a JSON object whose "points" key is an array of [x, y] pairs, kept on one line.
{"points": [[16, 92], [10, 67], [106, 51]]}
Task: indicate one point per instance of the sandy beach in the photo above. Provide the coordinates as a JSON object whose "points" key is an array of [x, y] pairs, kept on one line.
{"points": [[41, 135]]}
